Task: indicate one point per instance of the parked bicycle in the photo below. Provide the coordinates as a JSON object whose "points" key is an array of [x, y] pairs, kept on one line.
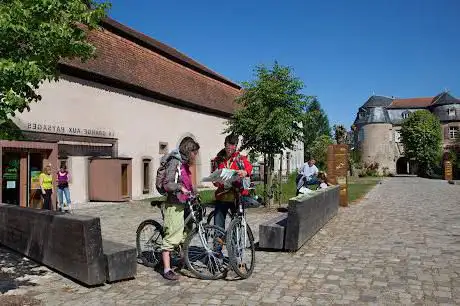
{"points": [[239, 238], [203, 249], [251, 201]]}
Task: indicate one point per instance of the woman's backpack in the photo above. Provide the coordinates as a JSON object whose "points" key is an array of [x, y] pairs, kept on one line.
{"points": [[161, 179]]}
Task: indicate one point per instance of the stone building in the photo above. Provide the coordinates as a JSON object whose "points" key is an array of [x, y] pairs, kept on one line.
{"points": [[113, 117], [378, 123]]}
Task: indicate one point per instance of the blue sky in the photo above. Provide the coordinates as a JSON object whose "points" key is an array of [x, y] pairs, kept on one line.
{"points": [[343, 50]]}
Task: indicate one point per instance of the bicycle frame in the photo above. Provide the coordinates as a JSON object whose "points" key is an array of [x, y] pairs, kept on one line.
{"points": [[241, 212], [191, 218]]}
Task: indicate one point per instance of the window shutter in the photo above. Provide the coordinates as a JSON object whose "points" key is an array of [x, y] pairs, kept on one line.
{"points": [[446, 132]]}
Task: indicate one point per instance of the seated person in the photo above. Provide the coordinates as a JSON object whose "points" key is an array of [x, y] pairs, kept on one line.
{"points": [[308, 175], [322, 178]]}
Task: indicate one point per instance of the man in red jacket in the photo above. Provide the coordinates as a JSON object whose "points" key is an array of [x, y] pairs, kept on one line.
{"points": [[229, 158]]}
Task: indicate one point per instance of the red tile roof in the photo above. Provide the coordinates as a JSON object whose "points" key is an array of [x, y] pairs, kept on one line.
{"points": [[133, 58], [411, 102]]}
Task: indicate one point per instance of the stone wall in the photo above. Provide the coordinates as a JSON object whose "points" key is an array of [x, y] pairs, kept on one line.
{"points": [[378, 146]]}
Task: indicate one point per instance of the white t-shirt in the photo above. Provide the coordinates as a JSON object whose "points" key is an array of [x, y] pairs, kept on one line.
{"points": [[308, 171]]}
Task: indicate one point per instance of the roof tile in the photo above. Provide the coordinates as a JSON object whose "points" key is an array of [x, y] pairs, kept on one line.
{"points": [[126, 61], [411, 102]]}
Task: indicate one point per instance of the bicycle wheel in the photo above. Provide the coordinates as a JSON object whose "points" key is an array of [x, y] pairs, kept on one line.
{"points": [[241, 248], [205, 252], [149, 236]]}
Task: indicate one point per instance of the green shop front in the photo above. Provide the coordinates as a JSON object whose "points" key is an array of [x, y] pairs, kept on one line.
{"points": [[22, 162]]}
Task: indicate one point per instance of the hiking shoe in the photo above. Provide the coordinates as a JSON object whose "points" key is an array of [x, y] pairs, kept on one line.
{"points": [[170, 275]]}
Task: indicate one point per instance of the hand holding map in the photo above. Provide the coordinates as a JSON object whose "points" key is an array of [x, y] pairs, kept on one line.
{"points": [[223, 176]]}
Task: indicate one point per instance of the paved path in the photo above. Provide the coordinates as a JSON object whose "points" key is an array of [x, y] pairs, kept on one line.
{"points": [[400, 245]]}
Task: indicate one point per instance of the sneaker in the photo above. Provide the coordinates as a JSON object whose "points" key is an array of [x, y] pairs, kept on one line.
{"points": [[170, 275], [218, 247]]}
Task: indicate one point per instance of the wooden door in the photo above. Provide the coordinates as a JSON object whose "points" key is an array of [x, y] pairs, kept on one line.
{"points": [[124, 180]]}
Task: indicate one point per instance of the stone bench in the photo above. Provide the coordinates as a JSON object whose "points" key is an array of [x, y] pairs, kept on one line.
{"points": [[306, 215], [70, 244], [120, 260]]}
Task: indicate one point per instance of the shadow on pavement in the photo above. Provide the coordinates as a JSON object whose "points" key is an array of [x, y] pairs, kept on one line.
{"points": [[14, 269]]}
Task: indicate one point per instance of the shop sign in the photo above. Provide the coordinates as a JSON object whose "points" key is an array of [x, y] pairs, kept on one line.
{"points": [[69, 130]]}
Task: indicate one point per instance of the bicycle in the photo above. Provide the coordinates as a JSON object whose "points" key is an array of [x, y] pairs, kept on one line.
{"points": [[200, 260], [248, 201], [237, 232]]}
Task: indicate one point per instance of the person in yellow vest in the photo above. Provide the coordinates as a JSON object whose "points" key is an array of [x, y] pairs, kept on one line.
{"points": [[46, 186]]}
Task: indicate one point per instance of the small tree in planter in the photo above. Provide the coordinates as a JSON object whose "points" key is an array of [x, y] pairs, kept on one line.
{"points": [[269, 116]]}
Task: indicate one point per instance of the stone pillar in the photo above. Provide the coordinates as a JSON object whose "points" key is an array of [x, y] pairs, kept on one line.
{"points": [[337, 167]]}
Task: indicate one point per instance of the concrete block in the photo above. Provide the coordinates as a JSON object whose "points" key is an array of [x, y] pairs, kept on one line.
{"points": [[271, 233], [70, 244], [120, 259], [309, 213]]}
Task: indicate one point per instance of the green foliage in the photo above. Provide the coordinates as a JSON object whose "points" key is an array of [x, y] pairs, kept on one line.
{"points": [[271, 107], [359, 187], [319, 150], [355, 157], [9, 131], [35, 35], [421, 135], [270, 114], [282, 192], [370, 169], [340, 134], [315, 123]]}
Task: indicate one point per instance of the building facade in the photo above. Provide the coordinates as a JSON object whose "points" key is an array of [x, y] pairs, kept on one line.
{"points": [[131, 105], [136, 100], [378, 123]]}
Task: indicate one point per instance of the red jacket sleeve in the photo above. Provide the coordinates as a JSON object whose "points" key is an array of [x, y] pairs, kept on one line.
{"points": [[214, 167], [247, 165]]}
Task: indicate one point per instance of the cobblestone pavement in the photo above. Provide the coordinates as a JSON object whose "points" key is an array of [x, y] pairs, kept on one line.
{"points": [[400, 245]]}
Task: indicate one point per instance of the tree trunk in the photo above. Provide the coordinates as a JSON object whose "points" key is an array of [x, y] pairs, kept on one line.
{"points": [[280, 181], [266, 166], [269, 186]]}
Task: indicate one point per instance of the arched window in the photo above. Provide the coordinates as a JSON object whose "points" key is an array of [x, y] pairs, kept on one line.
{"points": [[405, 114]]}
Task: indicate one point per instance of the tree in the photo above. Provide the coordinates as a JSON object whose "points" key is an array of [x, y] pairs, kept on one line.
{"points": [[340, 134], [270, 113], [35, 36], [421, 136], [319, 150], [315, 123]]}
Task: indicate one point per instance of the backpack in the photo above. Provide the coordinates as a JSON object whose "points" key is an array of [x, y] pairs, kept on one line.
{"points": [[161, 179]]}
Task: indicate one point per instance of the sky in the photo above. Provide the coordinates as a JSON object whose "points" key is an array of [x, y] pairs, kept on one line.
{"points": [[343, 50]]}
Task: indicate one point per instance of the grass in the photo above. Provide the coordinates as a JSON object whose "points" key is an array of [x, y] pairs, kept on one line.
{"points": [[357, 188]]}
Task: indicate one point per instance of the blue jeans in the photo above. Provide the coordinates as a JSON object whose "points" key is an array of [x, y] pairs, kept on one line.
{"points": [[313, 181], [220, 213], [63, 192]]}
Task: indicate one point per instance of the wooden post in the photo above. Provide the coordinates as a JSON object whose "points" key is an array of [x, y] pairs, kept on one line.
{"points": [[337, 167], [448, 174]]}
